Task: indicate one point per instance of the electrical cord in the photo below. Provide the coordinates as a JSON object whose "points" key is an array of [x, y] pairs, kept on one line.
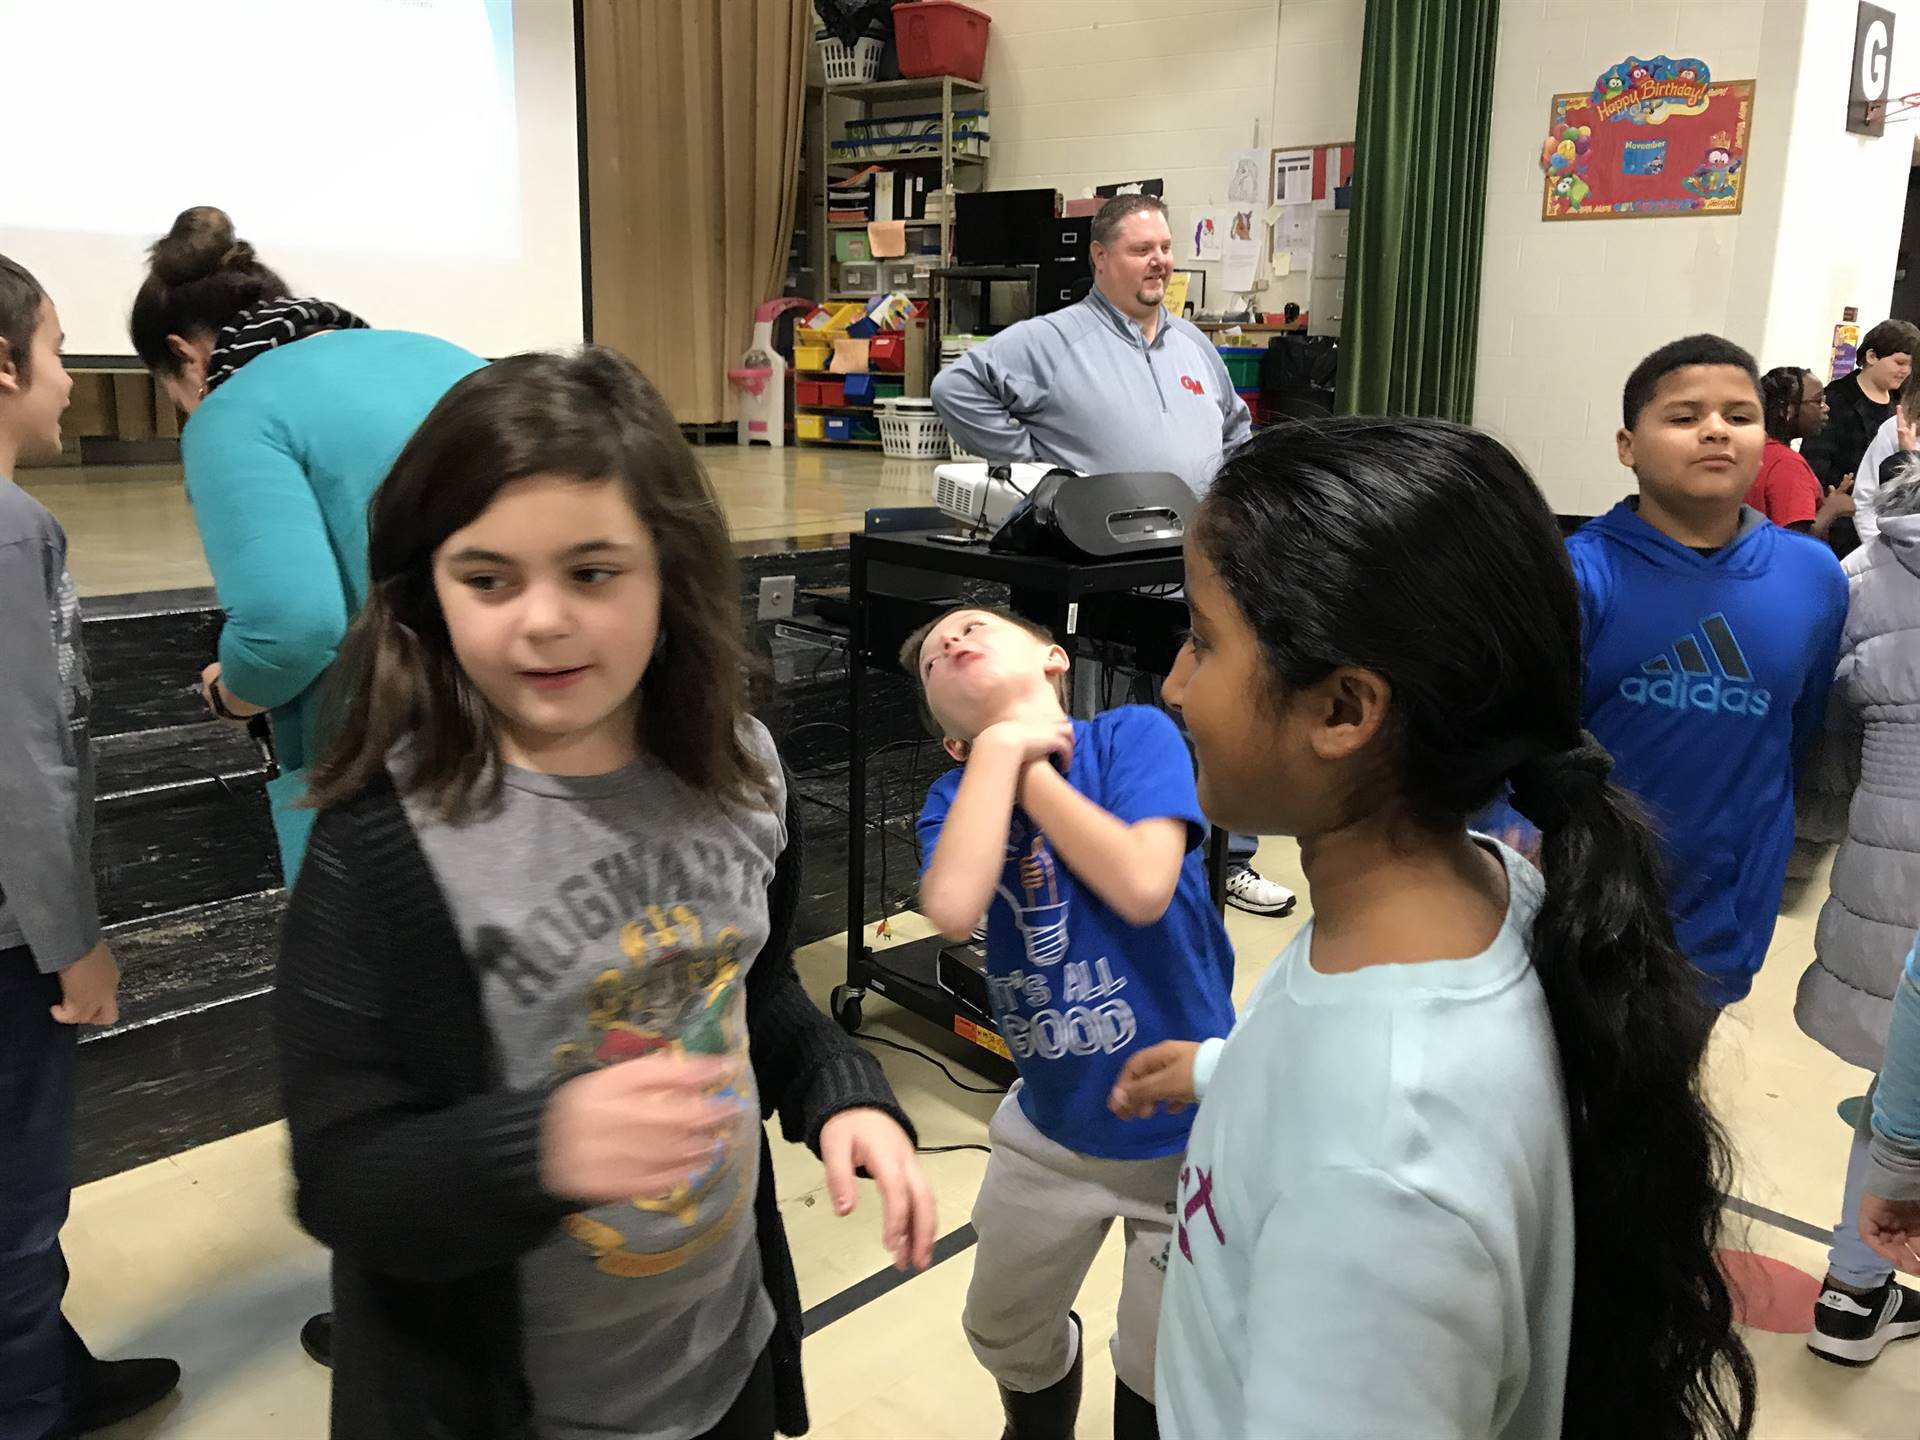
{"points": [[949, 1149], [937, 1063]]}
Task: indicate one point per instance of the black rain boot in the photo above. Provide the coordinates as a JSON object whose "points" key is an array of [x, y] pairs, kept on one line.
{"points": [[316, 1338], [1134, 1416], [1047, 1414], [106, 1392]]}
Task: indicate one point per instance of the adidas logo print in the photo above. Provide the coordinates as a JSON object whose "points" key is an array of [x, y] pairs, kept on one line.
{"points": [[1846, 1304], [1715, 678]]}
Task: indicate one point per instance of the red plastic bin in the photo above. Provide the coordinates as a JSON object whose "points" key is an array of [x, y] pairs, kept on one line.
{"points": [[941, 37], [887, 351]]}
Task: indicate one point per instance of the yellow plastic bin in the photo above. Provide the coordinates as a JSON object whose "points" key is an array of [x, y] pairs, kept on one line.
{"points": [[811, 354], [809, 427]]}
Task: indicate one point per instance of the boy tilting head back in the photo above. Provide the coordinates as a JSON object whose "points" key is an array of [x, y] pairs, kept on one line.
{"points": [[1710, 638], [1078, 841]]}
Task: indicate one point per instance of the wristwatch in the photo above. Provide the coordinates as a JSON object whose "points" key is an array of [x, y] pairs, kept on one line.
{"points": [[219, 703]]}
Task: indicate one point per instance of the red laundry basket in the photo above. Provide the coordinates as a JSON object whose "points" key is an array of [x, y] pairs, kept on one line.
{"points": [[941, 37]]}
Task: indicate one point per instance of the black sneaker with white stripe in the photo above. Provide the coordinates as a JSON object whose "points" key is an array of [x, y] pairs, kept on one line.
{"points": [[1851, 1330]]}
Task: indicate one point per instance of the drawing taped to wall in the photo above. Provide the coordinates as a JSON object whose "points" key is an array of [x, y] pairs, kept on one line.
{"points": [[1243, 176], [1199, 234]]}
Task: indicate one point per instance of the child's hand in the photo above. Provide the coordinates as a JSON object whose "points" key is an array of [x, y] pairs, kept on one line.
{"points": [[637, 1129], [90, 989], [873, 1141], [1892, 1229], [1839, 501], [1027, 741], [1159, 1075]]}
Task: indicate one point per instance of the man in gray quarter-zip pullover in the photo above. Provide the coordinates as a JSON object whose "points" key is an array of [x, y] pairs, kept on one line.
{"points": [[1113, 383]]}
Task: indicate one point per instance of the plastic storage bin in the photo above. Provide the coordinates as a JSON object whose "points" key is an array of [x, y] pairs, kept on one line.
{"points": [[830, 392], [1243, 365], [910, 430], [839, 427], [858, 390], [888, 387], [940, 37], [809, 427], [887, 352], [851, 245], [902, 278], [850, 67], [811, 354], [863, 278]]}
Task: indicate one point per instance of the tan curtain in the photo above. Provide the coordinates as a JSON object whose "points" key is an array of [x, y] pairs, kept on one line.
{"points": [[694, 110]]}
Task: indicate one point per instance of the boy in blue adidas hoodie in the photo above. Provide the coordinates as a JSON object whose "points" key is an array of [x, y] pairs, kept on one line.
{"points": [[1710, 640], [1077, 841]]}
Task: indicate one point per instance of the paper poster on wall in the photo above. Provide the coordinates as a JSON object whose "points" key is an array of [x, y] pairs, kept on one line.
{"points": [[1155, 188], [1175, 298], [1653, 138], [1316, 175], [1245, 179], [1196, 234], [1292, 177], [1240, 255], [1293, 237]]}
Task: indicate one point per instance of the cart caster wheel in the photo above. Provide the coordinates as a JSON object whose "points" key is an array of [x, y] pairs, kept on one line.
{"points": [[846, 1008]]}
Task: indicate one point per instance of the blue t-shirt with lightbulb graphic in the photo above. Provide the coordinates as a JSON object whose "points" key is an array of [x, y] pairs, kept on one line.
{"points": [[1076, 989]]}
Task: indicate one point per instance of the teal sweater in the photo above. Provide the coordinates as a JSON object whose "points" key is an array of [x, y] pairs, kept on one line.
{"points": [[280, 462]]}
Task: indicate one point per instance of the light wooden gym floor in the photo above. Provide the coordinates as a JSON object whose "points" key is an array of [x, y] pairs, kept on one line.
{"points": [[129, 528]]}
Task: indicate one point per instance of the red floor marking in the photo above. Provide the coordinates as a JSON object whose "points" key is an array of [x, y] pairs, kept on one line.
{"points": [[1769, 1294]]}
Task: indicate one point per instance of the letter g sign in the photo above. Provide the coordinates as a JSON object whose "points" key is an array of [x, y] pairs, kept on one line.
{"points": [[1872, 71]]}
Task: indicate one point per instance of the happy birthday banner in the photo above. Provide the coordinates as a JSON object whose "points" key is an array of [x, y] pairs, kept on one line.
{"points": [[1652, 138]]}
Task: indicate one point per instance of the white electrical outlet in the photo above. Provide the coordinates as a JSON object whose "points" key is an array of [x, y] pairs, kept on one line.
{"points": [[776, 597]]}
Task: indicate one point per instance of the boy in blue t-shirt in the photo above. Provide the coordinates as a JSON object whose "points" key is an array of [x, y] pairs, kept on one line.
{"points": [[1710, 638], [1079, 842]]}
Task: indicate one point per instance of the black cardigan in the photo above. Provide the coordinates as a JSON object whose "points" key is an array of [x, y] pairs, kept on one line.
{"points": [[1852, 421], [421, 1171]]}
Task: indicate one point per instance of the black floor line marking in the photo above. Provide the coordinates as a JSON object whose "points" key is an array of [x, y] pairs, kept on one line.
{"points": [[1779, 1221], [882, 1282]]}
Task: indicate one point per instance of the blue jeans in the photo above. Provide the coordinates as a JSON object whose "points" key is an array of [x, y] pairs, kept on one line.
{"points": [[1851, 1260], [36, 1175]]}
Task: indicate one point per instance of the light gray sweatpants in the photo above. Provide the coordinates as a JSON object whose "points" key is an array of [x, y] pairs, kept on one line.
{"points": [[1042, 1213]]}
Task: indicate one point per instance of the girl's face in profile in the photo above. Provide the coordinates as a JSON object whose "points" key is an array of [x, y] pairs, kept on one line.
{"points": [[552, 600], [1219, 685]]}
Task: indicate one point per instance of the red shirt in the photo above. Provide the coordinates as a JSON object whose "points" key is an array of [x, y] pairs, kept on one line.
{"points": [[1786, 490]]}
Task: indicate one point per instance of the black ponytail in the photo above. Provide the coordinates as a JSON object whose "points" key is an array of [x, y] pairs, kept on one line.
{"points": [[1422, 551]]}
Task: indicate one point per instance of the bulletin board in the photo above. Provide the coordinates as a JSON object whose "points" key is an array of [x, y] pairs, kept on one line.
{"points": [[1653, 138]]}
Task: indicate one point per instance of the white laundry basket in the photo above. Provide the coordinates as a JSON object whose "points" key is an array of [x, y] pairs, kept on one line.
{"points": [[849, 67], [910, 430]]}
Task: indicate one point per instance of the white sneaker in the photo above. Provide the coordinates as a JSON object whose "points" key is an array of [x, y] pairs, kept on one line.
{"points": [[1249, 890]]}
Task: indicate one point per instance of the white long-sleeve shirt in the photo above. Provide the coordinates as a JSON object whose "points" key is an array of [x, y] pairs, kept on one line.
{"points": [[1375, 1220], [1866, 478]]}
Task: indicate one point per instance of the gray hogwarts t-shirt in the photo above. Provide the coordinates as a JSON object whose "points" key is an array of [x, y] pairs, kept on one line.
{"points": [[611, 917]]}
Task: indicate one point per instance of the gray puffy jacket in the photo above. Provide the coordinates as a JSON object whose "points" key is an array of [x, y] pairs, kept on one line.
{"points": [[1872, 746]]}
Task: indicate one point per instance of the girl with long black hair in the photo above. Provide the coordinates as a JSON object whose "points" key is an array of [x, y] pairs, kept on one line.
{"points": [[1453, 1173]]}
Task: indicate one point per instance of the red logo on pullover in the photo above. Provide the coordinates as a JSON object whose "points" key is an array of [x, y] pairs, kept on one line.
{"points": [[1189, 383]]}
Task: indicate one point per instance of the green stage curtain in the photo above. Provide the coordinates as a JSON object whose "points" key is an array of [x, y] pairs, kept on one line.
{"points": [[1420, 181]]}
